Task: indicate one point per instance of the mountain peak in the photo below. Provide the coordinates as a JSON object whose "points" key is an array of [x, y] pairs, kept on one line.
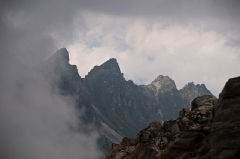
{"points": [[189, 85], [110, 64], [162, 78], [163, 83], [112, 60], [109, 67], [62, 55], [191, 91]]}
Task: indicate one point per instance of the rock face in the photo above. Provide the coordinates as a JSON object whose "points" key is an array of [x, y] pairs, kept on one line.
{"points": [[116, 107], [224, 138], [209, 130], [120, 104], [58, 70], [166, 93], [172, 138], [191, 91]]}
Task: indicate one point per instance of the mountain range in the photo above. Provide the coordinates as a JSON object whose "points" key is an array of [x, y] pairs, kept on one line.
{"points": [[210, 130], [114, 106]]}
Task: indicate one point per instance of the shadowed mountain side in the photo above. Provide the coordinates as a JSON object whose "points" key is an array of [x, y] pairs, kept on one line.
{"points": [[191, 91], [209, 130], [114, 106], [165, 92], [120, 104]]}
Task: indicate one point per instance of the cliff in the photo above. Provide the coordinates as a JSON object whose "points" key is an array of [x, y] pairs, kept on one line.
{"points": [[114, 106], [209, 130]]}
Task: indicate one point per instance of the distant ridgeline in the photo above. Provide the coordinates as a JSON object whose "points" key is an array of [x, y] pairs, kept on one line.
{"points": [[116, 107], [210, 130]]}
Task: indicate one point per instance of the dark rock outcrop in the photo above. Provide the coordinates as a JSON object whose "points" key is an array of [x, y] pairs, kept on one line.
{"points": [[193, 122], [209, 130], [174, 137], [224, 138]]}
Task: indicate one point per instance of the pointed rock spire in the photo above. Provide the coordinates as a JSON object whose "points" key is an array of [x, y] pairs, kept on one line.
{"points": [[163, 82], [62, 55], [191, 91], [111, 66]]}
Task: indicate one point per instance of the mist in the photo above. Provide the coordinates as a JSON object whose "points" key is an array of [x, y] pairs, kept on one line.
{"points": [[36, 121]]}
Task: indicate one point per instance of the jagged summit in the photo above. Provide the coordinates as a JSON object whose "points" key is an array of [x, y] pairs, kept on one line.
{"points": [[191, 91], [111, 64], [109, 67], [111, 60], [58, 70], [190, 84], [209, 130], [61, 55], [115, 106], [58, 61], [161, 78], [162, 83]]}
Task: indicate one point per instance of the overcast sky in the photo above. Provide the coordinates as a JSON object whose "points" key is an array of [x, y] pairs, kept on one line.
{"points": [[188, 40]]}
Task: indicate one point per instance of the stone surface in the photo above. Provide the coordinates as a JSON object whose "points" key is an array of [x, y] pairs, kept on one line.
{"points": [[114, 106], [210, 130], [190, 91], [180, 137], [224, 128]]}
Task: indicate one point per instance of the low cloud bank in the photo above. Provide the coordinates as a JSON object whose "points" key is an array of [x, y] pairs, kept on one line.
{"points": [[36, 121]]}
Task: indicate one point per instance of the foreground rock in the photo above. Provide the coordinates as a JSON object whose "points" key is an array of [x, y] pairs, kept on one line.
{"points": [[209, 130], [224, 138], [160, 140]]}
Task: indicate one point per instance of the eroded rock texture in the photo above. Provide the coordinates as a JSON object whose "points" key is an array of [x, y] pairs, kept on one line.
{"points": [[224, 138], [211, 129]]}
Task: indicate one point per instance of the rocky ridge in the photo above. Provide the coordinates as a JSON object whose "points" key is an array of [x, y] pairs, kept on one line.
{"points": [[114, 106], [162, 84], [191, 91], [209, 130]]}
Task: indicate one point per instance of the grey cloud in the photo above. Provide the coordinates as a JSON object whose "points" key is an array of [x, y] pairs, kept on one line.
{"points": [[32, 30], [28, 27], [213, 13], [36, 121]]}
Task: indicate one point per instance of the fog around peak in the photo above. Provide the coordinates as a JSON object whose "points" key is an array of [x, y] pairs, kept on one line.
{"points": [[186, 40], [37, 121]]}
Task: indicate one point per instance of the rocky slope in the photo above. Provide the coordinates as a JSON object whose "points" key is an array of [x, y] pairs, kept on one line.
{"points": [[114, 106], [209, 130], [166, 93], [120, 104], [191, 91]]}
